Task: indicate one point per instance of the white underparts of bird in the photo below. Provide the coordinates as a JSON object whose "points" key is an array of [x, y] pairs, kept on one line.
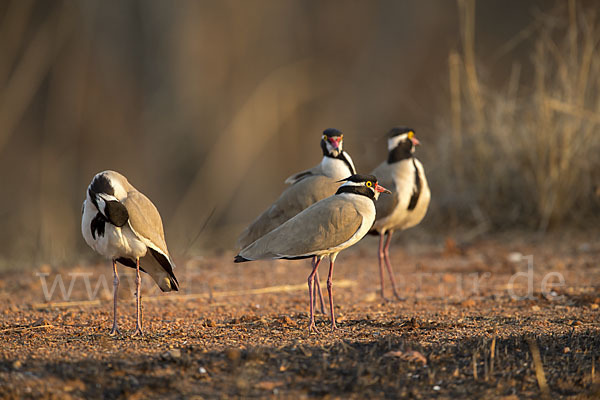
{"points": [[404, 175], [123, 225], [323, 229]]}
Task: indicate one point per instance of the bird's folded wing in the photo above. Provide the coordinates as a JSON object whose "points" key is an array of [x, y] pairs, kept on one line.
{"points": [[322, 226], [145, 220], [291, 202], [316, 170]]}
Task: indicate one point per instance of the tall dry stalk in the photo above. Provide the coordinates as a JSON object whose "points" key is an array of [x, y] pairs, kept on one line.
{"points": [[527, 153]]}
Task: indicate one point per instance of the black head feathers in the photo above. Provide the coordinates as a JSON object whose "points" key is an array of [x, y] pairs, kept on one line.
{"points": [[331, 132], [399, 130], [358, 178]]}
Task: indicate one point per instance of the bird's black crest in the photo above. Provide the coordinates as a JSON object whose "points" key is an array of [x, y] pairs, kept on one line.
{"points": [[331, 132], [398, 130], [358, 178], [101, 184]]}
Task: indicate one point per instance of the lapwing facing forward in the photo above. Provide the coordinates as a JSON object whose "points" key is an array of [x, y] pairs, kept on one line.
{"points": [[405, 177], [123, 225], [307, 187], [323, 229]]}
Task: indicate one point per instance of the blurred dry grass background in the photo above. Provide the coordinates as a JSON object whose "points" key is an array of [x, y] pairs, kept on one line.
{"points": [[208, 106]]}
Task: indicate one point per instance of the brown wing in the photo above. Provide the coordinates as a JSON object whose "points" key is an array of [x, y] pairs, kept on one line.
{"points": [[145, 219], [292, 201], [322, 226], [146, 222], [386, 204]]}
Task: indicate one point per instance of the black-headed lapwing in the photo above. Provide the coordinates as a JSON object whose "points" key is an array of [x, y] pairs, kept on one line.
{"points": [[403, 174], [307, 187], [323, 229], [122, 224]]}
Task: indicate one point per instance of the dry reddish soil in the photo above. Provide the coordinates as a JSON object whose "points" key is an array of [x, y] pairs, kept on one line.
{"points": [[240, 330]]}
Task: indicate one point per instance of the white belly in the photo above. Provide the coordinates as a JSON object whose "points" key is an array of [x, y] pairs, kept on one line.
{"points": [[116, 242]]}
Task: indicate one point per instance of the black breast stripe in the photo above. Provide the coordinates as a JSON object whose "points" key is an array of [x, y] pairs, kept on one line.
{"points": [[416, 190], [97, 225], [341, 156]]}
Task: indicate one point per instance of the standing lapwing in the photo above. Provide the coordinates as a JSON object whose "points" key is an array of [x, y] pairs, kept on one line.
{"points": [[307, 187], [122, 224], [323, 229], [405, 177]]}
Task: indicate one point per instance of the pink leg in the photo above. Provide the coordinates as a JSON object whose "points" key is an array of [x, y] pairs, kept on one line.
{"points": [[138, 300], [388, 265], [318, 288], [330, 291], [380, 255], [115, 328], [311, 278]]}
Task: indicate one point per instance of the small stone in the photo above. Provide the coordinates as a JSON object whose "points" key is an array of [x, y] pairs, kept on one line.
{"points": [[202, 370], [436, 388], [17, 364], [514, 257]]}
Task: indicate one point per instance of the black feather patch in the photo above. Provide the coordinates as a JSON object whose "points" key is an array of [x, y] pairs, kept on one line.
{"points": [[97, 225], [416, 190], [342, 156], [166, 264], [101, 184], [239, 259], [301, 175], [129, 262], [116, 213], [362, 190], [400, 152]]}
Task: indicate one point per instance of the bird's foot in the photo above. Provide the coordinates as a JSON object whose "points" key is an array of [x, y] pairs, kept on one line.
{"points": [[385, 299], [334, 327], [312, 328], [114, 331], [398, 297], [138, 332]]}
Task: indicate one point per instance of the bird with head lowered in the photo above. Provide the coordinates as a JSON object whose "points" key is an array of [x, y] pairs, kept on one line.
{"points": [[122, 224]]}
